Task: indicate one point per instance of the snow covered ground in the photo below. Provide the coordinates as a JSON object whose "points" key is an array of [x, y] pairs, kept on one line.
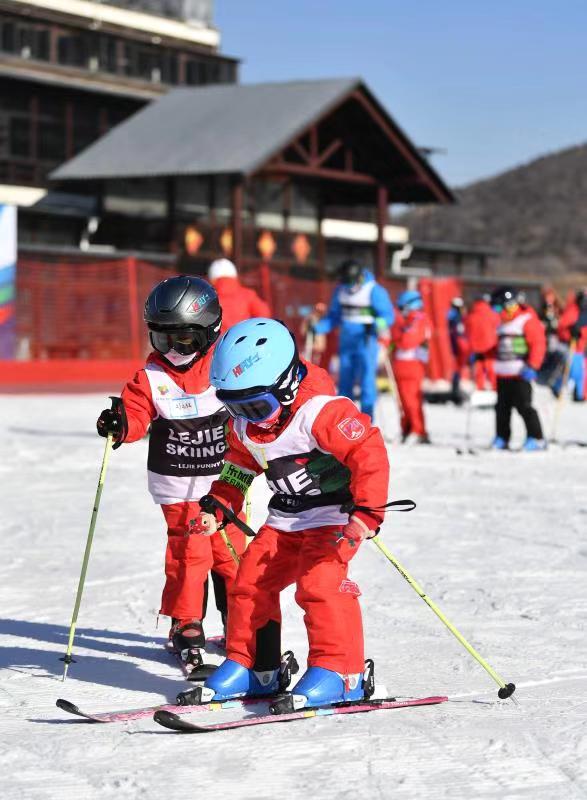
{"points": [[499, 540]]}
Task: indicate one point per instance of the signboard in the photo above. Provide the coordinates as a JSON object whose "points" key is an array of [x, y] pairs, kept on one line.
{"points": [[7, 281]]}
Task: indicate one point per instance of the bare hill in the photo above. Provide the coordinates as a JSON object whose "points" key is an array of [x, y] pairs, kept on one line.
{"points": [[535, 214]]}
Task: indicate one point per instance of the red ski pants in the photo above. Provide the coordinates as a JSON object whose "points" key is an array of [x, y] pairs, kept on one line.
{"points": [[317, 564], [412, 410], [484, 372], [189, 558]]}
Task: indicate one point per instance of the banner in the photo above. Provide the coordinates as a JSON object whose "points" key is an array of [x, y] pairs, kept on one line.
{"points": [[7, 281]]}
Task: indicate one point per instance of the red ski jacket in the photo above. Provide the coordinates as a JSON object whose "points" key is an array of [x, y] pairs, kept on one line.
{"points": [[567, 319], [533, 333], [341, 430], [238, 302], [481, 324], [410, 336], [137, 399]]}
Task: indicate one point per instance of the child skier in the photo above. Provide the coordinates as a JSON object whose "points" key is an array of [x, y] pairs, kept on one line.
{"points": [[410, 338], [318, 453], [172, 394], [520, 352]]}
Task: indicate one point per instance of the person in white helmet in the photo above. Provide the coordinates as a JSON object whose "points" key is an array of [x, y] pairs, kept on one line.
{"points": [[238, 302]]}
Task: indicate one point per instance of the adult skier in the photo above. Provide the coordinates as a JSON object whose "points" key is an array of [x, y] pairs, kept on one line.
{"points": [[481, 324], [520, 351], [238, 302], [318, 453], [364, 312], [410, 337], [173, 395]]}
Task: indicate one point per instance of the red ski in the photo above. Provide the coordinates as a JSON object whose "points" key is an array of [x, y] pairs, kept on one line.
{"points": [[172, 721]]}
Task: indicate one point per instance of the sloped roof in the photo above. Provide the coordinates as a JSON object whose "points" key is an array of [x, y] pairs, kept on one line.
{"points": [[230, 129]]}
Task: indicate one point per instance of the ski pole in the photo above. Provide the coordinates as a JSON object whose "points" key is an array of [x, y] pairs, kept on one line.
{"points": [[506, 689], [209, 504], [230, 546], [561, 397], [80, 587]]}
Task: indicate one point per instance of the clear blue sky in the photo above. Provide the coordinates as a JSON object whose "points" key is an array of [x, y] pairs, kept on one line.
{"points": [[495, 83]]}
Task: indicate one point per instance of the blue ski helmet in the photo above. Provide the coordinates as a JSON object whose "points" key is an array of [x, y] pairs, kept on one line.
{"points": [[255, 368], [410, 300]]}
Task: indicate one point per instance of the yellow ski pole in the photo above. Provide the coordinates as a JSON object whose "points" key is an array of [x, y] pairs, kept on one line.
{"points": [[506, 689], [226, 539], [80, 587]]}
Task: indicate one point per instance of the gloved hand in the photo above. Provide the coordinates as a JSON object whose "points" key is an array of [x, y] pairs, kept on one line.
{"points": [[575, 331], [205, 524], [528, 374], [110, 421], [356, 530]]}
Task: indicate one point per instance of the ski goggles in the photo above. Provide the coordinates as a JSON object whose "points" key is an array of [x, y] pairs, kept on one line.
{"points": [[255, 408], [184, 341]]}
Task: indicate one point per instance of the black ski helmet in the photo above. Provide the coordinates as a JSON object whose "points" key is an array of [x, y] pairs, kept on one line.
{"points": [[503, 296], [183, 314], [349, 272]]}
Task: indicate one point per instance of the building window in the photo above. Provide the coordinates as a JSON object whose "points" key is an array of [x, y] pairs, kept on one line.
{"points": [[20, 137], [73, 50]]}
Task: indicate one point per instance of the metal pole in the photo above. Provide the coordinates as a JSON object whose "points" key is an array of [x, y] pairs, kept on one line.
{"points": [[80, 587]]}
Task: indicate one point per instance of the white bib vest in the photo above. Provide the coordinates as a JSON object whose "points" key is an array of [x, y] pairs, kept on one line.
{"points": [[356, 306], [308, 484], [187, 442], [512, 346]]}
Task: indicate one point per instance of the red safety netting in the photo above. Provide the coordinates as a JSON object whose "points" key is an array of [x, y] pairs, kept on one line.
{"points": [[78, 323]]}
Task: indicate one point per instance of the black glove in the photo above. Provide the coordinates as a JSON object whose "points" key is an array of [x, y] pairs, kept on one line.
{"points": [[113, 420], [576, 331]]}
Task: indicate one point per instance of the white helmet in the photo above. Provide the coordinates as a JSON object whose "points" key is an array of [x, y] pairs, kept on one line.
{"points": [[221, 268]]}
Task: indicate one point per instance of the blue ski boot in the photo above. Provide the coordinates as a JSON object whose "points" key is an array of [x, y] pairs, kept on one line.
{"points": [[532, 445], [499, 444], [231, 680], [324, 687]]}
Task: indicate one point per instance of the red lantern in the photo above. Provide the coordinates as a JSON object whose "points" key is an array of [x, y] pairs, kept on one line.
{"points": [[193, 240], [266, 245]]}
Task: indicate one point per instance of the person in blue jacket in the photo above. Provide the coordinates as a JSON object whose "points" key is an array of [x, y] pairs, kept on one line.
{"points": [[364, 312]]}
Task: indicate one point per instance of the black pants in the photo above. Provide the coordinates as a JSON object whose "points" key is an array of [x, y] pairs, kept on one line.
{"points": [[516, 393]]}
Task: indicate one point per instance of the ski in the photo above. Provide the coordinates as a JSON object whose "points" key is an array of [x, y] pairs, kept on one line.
{"points": [[169, 719], [126, 715]]}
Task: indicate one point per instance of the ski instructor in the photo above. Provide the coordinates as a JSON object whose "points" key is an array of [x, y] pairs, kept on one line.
{"points": [[364, 312], [173, 395]]}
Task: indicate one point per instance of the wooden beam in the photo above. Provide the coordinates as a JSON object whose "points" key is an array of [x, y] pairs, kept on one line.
{"points": [[318, 172], [382, 220], [314, 143], [328, 153], [401, 145], [301, 151]]}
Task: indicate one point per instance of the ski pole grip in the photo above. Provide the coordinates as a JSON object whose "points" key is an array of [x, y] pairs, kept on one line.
{"points": [[209, 504]]}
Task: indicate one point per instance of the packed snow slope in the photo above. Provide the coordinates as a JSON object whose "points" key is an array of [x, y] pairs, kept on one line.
{"points": [[498, 540]]}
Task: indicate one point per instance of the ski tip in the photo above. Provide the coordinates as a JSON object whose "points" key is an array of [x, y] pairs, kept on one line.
{"points": [[65, 705], [173, 722]]}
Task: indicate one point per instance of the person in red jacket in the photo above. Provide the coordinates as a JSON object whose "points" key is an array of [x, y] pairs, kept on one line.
{"points": [[410, 336], [481, 324], [327, 469], [173, 395], [520, 352], [572, 329], [237, 301]]}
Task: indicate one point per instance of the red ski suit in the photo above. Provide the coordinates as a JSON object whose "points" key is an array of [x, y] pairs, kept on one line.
{"points": [[410, 336], [532, 339], [339, 441], [188, 559], [238, 302], [481, 324]]}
